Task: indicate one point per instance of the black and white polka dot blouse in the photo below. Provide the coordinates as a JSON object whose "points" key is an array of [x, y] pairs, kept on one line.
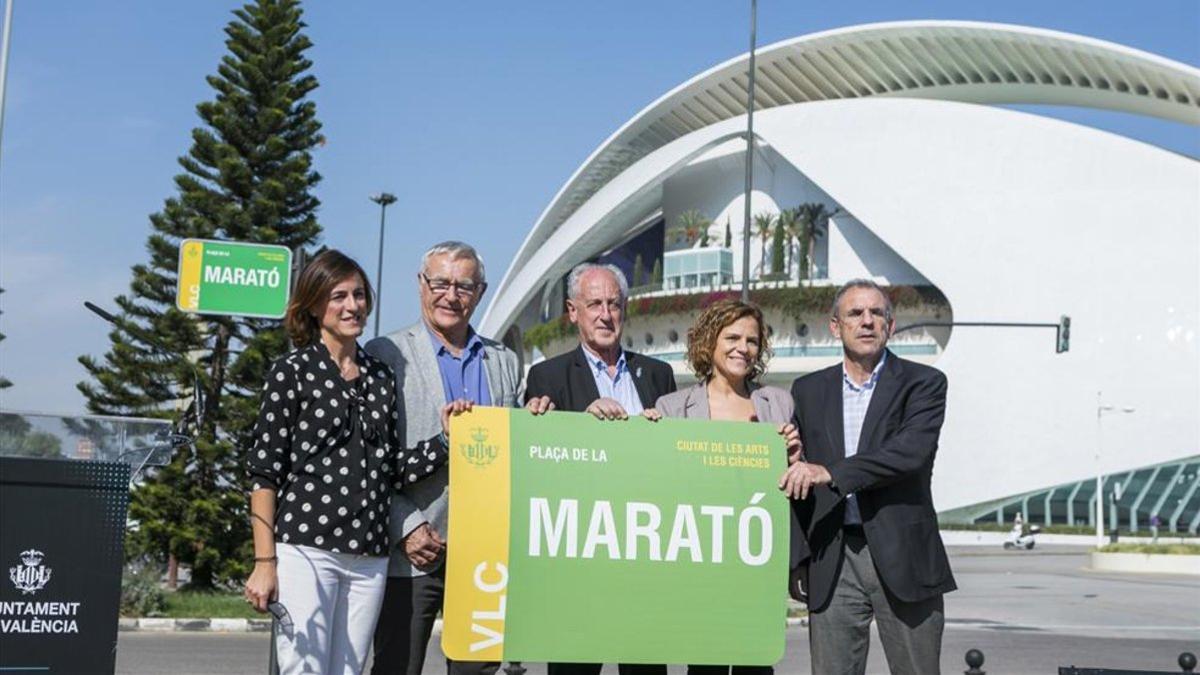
{"points": [[330, 450]]}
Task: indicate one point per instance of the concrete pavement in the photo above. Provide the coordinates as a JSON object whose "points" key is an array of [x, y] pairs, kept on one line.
{"points": [[1029, 612]]}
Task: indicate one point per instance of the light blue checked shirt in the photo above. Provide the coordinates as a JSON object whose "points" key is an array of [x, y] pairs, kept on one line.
{"points": [[619, 387], [855, 401]]}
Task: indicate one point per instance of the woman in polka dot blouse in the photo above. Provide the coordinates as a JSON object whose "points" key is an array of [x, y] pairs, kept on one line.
{"points": [[325, 458]]}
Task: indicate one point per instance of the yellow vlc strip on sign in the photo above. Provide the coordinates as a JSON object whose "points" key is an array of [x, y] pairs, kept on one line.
{"points": [[480, 465], [191, 259]]}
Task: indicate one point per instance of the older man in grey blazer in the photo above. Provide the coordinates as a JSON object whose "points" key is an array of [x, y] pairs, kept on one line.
{"points": [[438, 359]]}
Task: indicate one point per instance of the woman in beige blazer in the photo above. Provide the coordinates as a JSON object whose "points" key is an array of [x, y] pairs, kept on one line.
{"points": [[728, 351]]}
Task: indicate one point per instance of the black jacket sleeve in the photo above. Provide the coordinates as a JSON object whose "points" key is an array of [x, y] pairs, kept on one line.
{"points": [[669, 377], [536, 384]]}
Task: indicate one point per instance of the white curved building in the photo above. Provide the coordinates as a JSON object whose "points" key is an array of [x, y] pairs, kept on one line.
{"points": [[1012, 217]]}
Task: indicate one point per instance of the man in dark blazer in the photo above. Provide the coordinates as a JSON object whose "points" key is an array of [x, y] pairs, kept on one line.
{"points": [[870, 429], [600, 378]]}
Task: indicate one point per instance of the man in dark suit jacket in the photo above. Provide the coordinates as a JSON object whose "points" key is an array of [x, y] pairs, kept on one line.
{"points": [[600, 378], [870, 429]]}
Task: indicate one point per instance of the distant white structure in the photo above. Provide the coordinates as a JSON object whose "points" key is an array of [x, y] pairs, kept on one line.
{"points": [[1012, 216]]}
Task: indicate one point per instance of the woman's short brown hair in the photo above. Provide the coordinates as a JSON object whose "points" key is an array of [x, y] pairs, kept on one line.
{"points": [[702, 336], [330, 268]]}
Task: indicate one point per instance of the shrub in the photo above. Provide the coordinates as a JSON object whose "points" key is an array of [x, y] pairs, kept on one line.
{"points": [[1160, 549], [794, 302], [141, 594]]}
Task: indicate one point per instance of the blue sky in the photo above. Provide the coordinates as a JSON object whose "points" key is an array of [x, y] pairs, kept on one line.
{"points": [[473, 114]]}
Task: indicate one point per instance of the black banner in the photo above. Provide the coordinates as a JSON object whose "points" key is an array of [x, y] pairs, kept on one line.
{"points": [[62, 537]]}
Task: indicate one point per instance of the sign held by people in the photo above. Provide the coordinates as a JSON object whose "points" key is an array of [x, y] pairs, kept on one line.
{"points": [[233, 278], [577, 540]]}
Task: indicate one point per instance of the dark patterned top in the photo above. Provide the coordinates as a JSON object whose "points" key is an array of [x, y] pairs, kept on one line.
{"points": [[330, 449]]}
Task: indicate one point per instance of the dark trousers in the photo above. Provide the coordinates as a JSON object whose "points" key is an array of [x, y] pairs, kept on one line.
{"points": [[839, 635], [410, 606], [594, 669], [725, 670]]}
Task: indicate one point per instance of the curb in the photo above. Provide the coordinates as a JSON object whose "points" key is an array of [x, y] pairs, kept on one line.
{"points": [[159, 625], [1146, 563]]}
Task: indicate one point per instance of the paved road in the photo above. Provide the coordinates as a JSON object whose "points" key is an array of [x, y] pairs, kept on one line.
{"points": [[1028, 612]]}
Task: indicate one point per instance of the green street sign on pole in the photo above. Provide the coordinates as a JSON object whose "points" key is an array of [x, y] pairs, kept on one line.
{"points": [[233, 278]]}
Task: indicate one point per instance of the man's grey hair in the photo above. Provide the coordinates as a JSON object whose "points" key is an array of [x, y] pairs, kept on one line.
{"points": [[575, 279], [457, 250], [861, 283]]}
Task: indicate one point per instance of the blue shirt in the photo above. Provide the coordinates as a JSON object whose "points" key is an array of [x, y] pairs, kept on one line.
{"points": [[618, 387], [856, 399], [463, 376]]}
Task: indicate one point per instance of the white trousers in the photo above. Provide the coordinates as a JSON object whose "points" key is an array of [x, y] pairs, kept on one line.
{"points": [[332, 601]]}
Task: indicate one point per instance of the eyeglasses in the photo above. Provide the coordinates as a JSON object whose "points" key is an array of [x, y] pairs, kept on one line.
{"points": [[442, 286]]}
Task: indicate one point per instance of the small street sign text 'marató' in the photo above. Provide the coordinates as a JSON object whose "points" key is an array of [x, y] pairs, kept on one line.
{"points": [[233, 278]]}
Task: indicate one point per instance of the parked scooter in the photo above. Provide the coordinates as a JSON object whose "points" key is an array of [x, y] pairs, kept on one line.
{"points": [[1022, 540]]}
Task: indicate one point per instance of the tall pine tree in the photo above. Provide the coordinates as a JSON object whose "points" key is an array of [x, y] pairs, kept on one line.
{"points": [[247, 177]]}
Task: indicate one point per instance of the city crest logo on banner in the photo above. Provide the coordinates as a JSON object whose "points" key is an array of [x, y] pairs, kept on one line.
{"points": [[31, 576], [478, 453]]}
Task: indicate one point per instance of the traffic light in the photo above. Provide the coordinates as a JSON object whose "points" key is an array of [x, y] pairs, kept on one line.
{"points": [[1064, 334]]}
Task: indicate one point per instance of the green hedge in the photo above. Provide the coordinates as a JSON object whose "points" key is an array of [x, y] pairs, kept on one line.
{"points": [[993, 527], [1160, 549], [794, 302], [1060, 529]]}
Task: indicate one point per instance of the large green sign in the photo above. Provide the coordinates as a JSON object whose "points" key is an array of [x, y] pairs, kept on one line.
{"points": [[226, 277], [576, 540]]}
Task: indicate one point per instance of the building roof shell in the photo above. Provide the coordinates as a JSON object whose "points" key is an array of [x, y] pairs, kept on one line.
{"points": [[973, 62]]}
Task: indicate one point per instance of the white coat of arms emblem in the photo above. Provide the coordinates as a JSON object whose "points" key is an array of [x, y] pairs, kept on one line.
{"points": [[31, 576]]}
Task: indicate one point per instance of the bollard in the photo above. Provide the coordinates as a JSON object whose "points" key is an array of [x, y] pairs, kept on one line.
{"points": [[1187, 662], [974, 659], [514, 668]]}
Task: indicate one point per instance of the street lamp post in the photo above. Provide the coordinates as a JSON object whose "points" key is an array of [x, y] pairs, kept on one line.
{"points": [[8, 14], [382, 199], [749, 157], [1101, 408]]}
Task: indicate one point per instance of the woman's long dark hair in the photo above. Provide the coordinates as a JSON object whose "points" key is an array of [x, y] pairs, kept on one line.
{"points": [[316, 282]]}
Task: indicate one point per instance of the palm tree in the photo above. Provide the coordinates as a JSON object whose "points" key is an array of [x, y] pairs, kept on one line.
{"points": [[814, 223], [674, 237], [694, 223], [762, 229]]}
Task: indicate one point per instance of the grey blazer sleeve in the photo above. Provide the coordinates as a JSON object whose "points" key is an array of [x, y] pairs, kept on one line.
{"points": [[781, 405], [516, 374], [512, 377], [404, 515], [671, 405]]}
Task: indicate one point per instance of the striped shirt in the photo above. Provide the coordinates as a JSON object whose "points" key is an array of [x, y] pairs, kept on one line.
{"points": [[856, 399], [618, 387]]}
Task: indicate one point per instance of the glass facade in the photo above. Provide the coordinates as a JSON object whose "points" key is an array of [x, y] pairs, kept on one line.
{"points": [[1133, 500], [695, 267]]}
